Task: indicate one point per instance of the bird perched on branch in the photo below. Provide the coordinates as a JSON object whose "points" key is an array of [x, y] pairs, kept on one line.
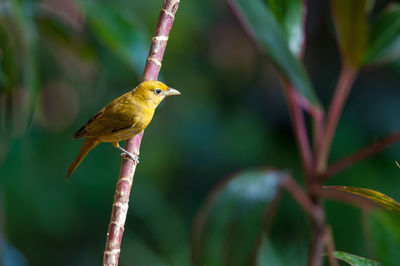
{"points": [[121, 119]]}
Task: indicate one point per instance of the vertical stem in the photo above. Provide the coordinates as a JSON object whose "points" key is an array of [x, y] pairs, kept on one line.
{"points": [[318, 214], [318, 238], [318, 129], [330, 246], [346, 79], [342, 90], [128, 167], [300, 132], [317, 115]]}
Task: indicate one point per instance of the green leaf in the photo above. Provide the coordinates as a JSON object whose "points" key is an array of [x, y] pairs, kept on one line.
{"points": [[385, 236], [351, 22], [373, 195], [290, 15], [266, 254], [384, 42], [227, 229], [118, 34], [354, 260], [262, 25]]}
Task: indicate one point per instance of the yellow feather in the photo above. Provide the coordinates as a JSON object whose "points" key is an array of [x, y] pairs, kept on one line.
{"points": [[123, 118]]}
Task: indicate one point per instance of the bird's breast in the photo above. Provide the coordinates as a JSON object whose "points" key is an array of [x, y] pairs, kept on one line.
{"points": [[143, 120]]}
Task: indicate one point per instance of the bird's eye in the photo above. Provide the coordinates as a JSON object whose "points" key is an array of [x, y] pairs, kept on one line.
{"points": [[157, 91]]}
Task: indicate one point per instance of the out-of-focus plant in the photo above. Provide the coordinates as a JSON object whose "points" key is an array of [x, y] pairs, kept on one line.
{"points": [[54, 52], [51, 50], [241, 209]]}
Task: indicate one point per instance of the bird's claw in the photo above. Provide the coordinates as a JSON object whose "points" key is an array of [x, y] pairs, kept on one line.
{"points": [[134, 158]]}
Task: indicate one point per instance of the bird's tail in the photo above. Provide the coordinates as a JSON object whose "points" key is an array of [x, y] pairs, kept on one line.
{"points": [[87, 146]]}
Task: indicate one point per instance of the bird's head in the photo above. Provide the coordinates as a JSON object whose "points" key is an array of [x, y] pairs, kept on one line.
{"points": [[153, 92]]}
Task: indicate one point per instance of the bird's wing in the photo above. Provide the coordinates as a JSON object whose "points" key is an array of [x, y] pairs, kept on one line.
{"points": [[116, 116]]}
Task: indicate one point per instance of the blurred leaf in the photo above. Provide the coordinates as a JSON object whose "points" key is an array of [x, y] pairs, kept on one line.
{"points": [[10, 256], [385, 234], [262, 25], [8, 60], [384, 43], [289, 13], [227, 229], [266, 255], [354, 260], [27, 87], [373, 195], [351, 21], [119, 34], [67, 12]]}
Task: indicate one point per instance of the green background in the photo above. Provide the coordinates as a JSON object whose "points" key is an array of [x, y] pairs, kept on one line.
{"points": [[59, 68]]}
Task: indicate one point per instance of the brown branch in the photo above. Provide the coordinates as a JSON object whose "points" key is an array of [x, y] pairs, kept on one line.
{"points": [[342, 90], [361, 154], [128, 166]]}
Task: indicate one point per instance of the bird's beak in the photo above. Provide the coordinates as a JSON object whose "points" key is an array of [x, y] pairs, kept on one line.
{"points": [[172, 91]]}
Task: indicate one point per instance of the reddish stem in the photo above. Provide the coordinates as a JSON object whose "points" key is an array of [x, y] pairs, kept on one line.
{"points": [[302, 198], [300, 131], [128, 167], [318, 237], [317, 114], [330, 246], [318, 129], [361, 154], [343, 197], [346, 79]]}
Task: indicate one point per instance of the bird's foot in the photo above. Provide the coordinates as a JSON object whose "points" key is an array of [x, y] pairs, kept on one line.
{"points": [[131, 156], [126, 153]]}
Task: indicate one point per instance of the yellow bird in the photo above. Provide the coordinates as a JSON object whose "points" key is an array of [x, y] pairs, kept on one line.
{"points": [[121, 119]]}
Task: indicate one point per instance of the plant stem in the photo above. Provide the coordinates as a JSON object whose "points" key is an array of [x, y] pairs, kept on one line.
{"points": [[313, 204], [361, 202], [317, 114], [300, 131], [342, 90], [330, 246], [315, 209], [361, 154], [318, 237], [302, 198], [128, 167]]}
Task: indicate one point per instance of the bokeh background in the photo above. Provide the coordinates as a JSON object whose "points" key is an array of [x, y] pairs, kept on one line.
{"points": [[61, 61]]}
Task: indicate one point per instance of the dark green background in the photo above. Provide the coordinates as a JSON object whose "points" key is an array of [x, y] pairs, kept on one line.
{"points": [[231, 116]]}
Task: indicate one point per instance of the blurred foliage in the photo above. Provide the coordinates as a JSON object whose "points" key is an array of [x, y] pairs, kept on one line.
{"points": [[351, 21], [228, 228], [385, 36], [263, 25], [385, 236], [290, 15], [61, 61]]}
